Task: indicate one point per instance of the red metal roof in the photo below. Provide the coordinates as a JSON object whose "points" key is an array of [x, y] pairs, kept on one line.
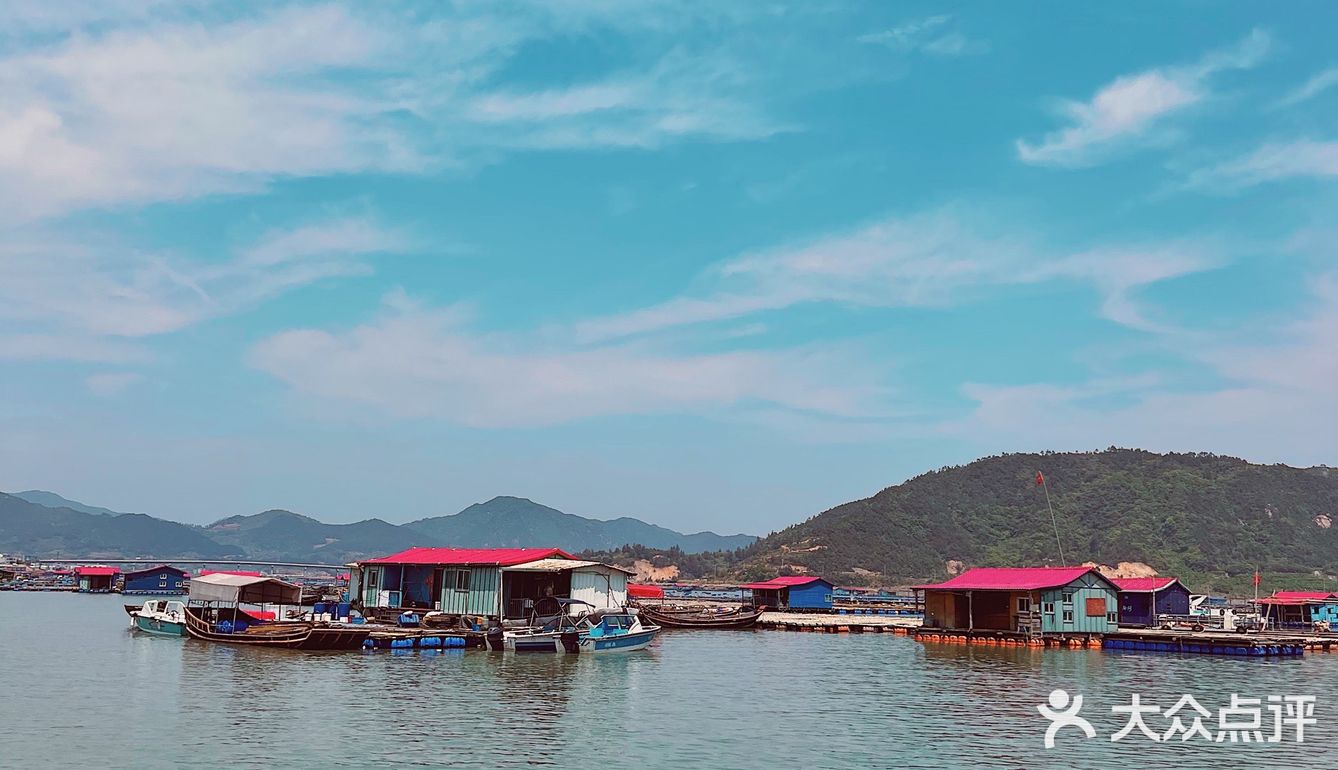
{"points": [[785, 581], [1296, 598], [97, 571], [242, 572], [1010, 579], [1142, 583], [642, 591], [493, 557]]}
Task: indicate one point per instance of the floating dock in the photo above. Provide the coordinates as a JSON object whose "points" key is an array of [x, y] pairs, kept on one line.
{"points": [[1210, 643], [421, 638], [837, 622]]}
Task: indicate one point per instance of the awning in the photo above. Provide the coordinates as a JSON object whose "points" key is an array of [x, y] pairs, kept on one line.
{"points": [[244, 589], [563, 565]]}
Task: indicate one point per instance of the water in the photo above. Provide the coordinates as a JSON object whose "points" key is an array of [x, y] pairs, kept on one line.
{"points": [[78, 689]]}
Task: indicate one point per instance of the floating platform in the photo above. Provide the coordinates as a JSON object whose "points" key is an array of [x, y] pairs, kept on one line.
{"points": [[1208, 643], [990, 638], [421, 639], [835, 623]]}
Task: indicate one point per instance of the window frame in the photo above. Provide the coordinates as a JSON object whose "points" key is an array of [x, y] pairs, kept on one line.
{"points": [[1068, 616]]}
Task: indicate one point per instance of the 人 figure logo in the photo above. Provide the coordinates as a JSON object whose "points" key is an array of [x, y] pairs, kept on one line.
{"points": [[1063, 712]]}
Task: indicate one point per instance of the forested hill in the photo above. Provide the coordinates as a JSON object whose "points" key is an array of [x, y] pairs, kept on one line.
{"points": [[1200, 516]]}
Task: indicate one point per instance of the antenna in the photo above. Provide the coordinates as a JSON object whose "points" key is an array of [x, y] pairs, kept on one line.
{"points": [[1046, 486]]}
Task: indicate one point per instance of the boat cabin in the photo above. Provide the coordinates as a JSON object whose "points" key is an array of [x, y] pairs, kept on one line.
{"points": [[1144, 600], [503, 583], [1031, 601], [792, 592]]}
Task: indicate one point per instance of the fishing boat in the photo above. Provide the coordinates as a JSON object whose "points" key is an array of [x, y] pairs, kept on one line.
{"points": [[214, 614], [743, 617], [159, 616], [591, 631]]}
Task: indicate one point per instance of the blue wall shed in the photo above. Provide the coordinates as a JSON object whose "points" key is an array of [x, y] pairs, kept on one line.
{"points": [[163, 579]]}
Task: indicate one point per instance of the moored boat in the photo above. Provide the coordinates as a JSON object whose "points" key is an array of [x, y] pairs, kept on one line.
{"points": [[695, 618], [215, 615], [597, 631], [159, 616]]}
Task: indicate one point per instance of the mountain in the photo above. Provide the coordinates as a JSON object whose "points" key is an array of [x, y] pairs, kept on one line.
{"points": [[37, 530], [1205, 517], [53, 500], [515, 521], [278, 535]]}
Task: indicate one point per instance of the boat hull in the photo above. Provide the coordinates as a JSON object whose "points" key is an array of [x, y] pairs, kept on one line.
{"points": [[702, 620], [285, 636], [583, 644], [159, 627], [630, 642]]}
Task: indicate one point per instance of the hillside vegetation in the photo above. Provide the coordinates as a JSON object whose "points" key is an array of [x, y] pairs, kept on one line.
{"points": [[1208, 518]]}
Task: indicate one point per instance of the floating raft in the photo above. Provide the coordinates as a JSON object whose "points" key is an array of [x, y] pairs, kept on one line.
{"points": [[1206, 643], [422, 638]]}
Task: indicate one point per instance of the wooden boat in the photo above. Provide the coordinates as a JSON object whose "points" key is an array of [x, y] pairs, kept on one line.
{"points": [[160, 617], [215, 615], [740, 618]]}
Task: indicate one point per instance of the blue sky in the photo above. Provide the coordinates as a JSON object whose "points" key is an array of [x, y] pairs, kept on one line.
{"points": [[714, 265]]}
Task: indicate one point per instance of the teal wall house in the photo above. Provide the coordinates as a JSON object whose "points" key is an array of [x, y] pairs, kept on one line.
{"points": [[1031, 601], [493, 582]]}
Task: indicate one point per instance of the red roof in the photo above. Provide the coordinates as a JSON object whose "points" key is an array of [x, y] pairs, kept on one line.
{"points": [[1011, 579], [642, 591], [1294, 598], [1142, 583], [97, 571], [242, 572], [492, 557], [785, 581]]}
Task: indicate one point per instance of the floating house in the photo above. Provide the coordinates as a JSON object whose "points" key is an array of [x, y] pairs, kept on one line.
{"points": [[792, 592], [1300, 609], [1144, 600], [163, 579], [95, 580], [1031, 601], [493, 582]]}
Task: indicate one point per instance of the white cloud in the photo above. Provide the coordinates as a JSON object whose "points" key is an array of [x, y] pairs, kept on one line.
{"points": [[926, 35], [933, 259], [178, 104], [414, 362], [1270, 163], [107, 384], [1130, 108], [1274, 399], [62, 298], [1316, 85]]}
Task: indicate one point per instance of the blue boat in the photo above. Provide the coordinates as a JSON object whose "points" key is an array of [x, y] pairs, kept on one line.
{"points": [[595, 631]]}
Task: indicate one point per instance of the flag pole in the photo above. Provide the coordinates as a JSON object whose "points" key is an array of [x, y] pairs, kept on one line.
{"points": [[1045, 484]]}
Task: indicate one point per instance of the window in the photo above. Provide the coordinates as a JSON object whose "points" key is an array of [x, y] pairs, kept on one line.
{"points": [[1023, 604], [1048, 608], [1068, 597], [457, 579], [373, 575], [1068, 616], [1112, 617]]}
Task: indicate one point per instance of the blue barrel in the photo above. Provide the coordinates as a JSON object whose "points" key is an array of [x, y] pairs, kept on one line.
{"points": [[429, 641], [454, 641], [401, 643]]}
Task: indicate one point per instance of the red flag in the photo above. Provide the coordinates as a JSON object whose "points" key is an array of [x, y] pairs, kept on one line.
{"points": [[1256, 577], [1040, 480]]}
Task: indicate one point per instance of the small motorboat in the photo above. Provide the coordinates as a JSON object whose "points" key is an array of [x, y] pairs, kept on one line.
{"points": [[159, 616], [591, 631]]}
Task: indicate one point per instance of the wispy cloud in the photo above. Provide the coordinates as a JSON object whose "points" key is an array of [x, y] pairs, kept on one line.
{"points": [[1131, 108], [59, 296], [931, 35], [108, 384], [420, 362], [1316, 85], [933, 259], [1270, 163]]}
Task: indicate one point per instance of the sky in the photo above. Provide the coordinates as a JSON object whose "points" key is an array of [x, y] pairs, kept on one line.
{"points": [[713, 265]]}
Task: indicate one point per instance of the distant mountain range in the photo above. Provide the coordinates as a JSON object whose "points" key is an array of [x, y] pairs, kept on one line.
{"points": [[43, 524]]}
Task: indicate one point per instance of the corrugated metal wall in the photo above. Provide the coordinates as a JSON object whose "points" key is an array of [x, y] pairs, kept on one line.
{"points": [[814, 596], [602, 587], [1082, 589]]}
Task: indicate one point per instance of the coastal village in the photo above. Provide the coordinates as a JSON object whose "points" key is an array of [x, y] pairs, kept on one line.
{"points": [[541, 599]]}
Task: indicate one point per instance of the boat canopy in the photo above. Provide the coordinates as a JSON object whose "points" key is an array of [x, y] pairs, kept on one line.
{"points": [[244, 589]]}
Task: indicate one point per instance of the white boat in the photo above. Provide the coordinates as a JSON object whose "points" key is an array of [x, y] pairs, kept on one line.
{"points": [[159, 616], [597, 631]]}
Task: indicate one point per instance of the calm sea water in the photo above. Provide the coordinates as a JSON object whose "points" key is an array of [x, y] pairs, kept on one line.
{"points": [[79, 689]]}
